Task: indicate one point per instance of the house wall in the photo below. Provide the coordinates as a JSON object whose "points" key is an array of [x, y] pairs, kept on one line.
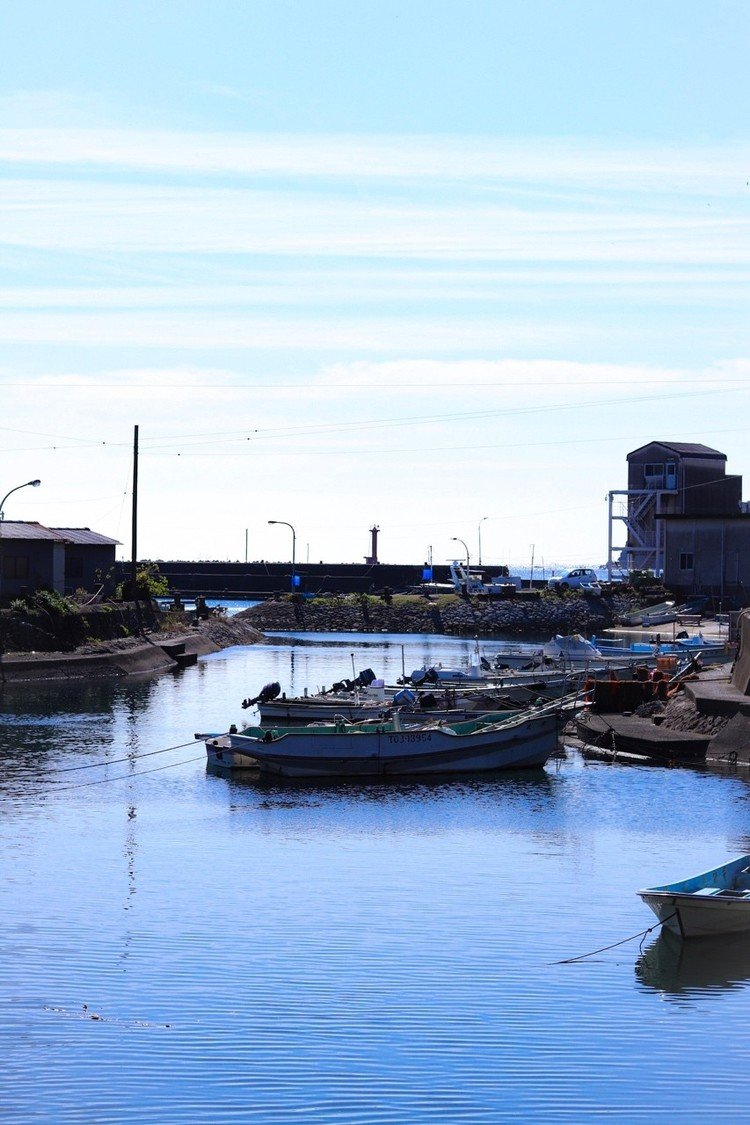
{"points": [[87, 566], [707, 495], [27, 564], [719, 553], [693, 485]]}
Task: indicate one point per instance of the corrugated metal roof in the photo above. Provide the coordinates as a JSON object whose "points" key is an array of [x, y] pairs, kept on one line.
{"points": [[85, 536], [82, 536], [15, 529]]}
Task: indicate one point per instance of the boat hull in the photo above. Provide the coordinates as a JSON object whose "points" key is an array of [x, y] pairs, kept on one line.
{"points": [[525, 743], [713, 903], [691, 915]]}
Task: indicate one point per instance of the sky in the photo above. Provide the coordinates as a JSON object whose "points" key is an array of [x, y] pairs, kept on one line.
{"points": [[435, 267]]}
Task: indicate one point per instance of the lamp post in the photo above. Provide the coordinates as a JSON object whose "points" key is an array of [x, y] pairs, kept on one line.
{"points": [[294, 544], [455, 539], [479, 536], [28, 484]]}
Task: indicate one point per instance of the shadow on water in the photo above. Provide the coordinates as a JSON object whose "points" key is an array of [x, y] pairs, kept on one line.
{"points": [[52, 699], [687, 969]]}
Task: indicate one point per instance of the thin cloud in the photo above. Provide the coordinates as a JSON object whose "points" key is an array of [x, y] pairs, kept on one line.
{"points": [[572, 163]]}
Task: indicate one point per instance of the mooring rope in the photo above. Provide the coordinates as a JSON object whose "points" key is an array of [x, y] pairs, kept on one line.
{"points": [[127, 758], [127, 776], [641, 934]]}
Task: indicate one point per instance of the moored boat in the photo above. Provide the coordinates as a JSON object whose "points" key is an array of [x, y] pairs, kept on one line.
{"points": [[509, 740], [657, 648], [712, 903]]}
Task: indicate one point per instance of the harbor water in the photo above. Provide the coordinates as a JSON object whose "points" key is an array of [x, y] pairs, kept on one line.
{"points": [[183, 947]]}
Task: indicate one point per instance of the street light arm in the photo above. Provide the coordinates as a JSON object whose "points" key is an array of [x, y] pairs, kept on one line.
{"points": [[27, 484], [284, 523], [455, 539]]}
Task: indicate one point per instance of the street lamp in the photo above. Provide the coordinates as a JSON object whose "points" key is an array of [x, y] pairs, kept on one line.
{"points": [[479, 536], [294, 544], [28, 484], [455, 539]]}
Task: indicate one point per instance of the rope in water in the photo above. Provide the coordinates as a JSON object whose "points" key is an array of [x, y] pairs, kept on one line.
{"points": [[127, 758], [641, 934]]}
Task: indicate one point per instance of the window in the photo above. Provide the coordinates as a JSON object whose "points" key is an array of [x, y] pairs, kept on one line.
{"points": [[653, 476], [686, 560], [16, 566]]}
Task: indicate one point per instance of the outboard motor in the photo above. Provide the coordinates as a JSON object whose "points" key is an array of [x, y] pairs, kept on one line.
{"points": [[365, 677], [265, 695], [343, 685], [428, 701]]}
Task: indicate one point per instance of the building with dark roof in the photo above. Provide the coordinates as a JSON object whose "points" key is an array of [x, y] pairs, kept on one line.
{"points": [[684, 519], [89, 559], [33, 556]]}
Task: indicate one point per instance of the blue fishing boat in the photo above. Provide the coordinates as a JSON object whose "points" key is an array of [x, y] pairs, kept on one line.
{"points": [[713, 903]]}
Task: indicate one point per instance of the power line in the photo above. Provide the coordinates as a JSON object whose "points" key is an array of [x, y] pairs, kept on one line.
{"points": [[190, 441]]}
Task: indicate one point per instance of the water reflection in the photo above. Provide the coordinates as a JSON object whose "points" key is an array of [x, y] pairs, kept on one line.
{"points": [[432, 806], [684, 970]]}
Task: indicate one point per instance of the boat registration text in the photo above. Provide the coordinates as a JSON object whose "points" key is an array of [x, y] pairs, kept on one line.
{"points": [[417, 736]]}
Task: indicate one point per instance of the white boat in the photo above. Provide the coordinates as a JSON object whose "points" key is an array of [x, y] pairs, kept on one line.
{"points": [[441, 701], [480, 670], [466, 581], [713, 903], [573, 650], [576, 651], [513, 740], [680, 647], [661, 614]]}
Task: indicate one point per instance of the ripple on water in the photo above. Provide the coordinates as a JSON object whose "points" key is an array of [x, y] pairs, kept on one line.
{"points": [[348, 953]]}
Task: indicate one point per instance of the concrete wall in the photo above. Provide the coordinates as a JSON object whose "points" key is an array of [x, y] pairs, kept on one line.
{"points": [[261, 579]]}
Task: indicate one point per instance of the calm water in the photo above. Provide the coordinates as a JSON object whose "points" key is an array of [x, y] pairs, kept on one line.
{"points": [[346, 953]]}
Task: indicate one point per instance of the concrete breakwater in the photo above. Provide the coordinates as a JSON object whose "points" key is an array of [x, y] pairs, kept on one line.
{"points": [[537, 618]]}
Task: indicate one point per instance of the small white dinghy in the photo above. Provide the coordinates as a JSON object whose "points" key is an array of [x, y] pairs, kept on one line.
{"points": [[716, 902]]}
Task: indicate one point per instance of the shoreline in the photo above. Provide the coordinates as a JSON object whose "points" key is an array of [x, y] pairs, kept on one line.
{"points": [[140, 655], [177, 647]]}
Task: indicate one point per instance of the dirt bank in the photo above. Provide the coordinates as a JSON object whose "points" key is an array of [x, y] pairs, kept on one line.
{"points": [[152, 652]]}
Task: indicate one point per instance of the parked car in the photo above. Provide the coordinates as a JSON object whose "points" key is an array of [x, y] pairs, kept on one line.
{"points": [[581, 578]]}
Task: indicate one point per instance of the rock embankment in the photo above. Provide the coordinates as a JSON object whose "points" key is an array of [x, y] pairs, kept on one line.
{"points": [[681, 714], [532, 618]]}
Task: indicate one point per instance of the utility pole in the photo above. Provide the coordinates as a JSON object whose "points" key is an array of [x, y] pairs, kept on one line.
{"points": [[134, 529]]}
